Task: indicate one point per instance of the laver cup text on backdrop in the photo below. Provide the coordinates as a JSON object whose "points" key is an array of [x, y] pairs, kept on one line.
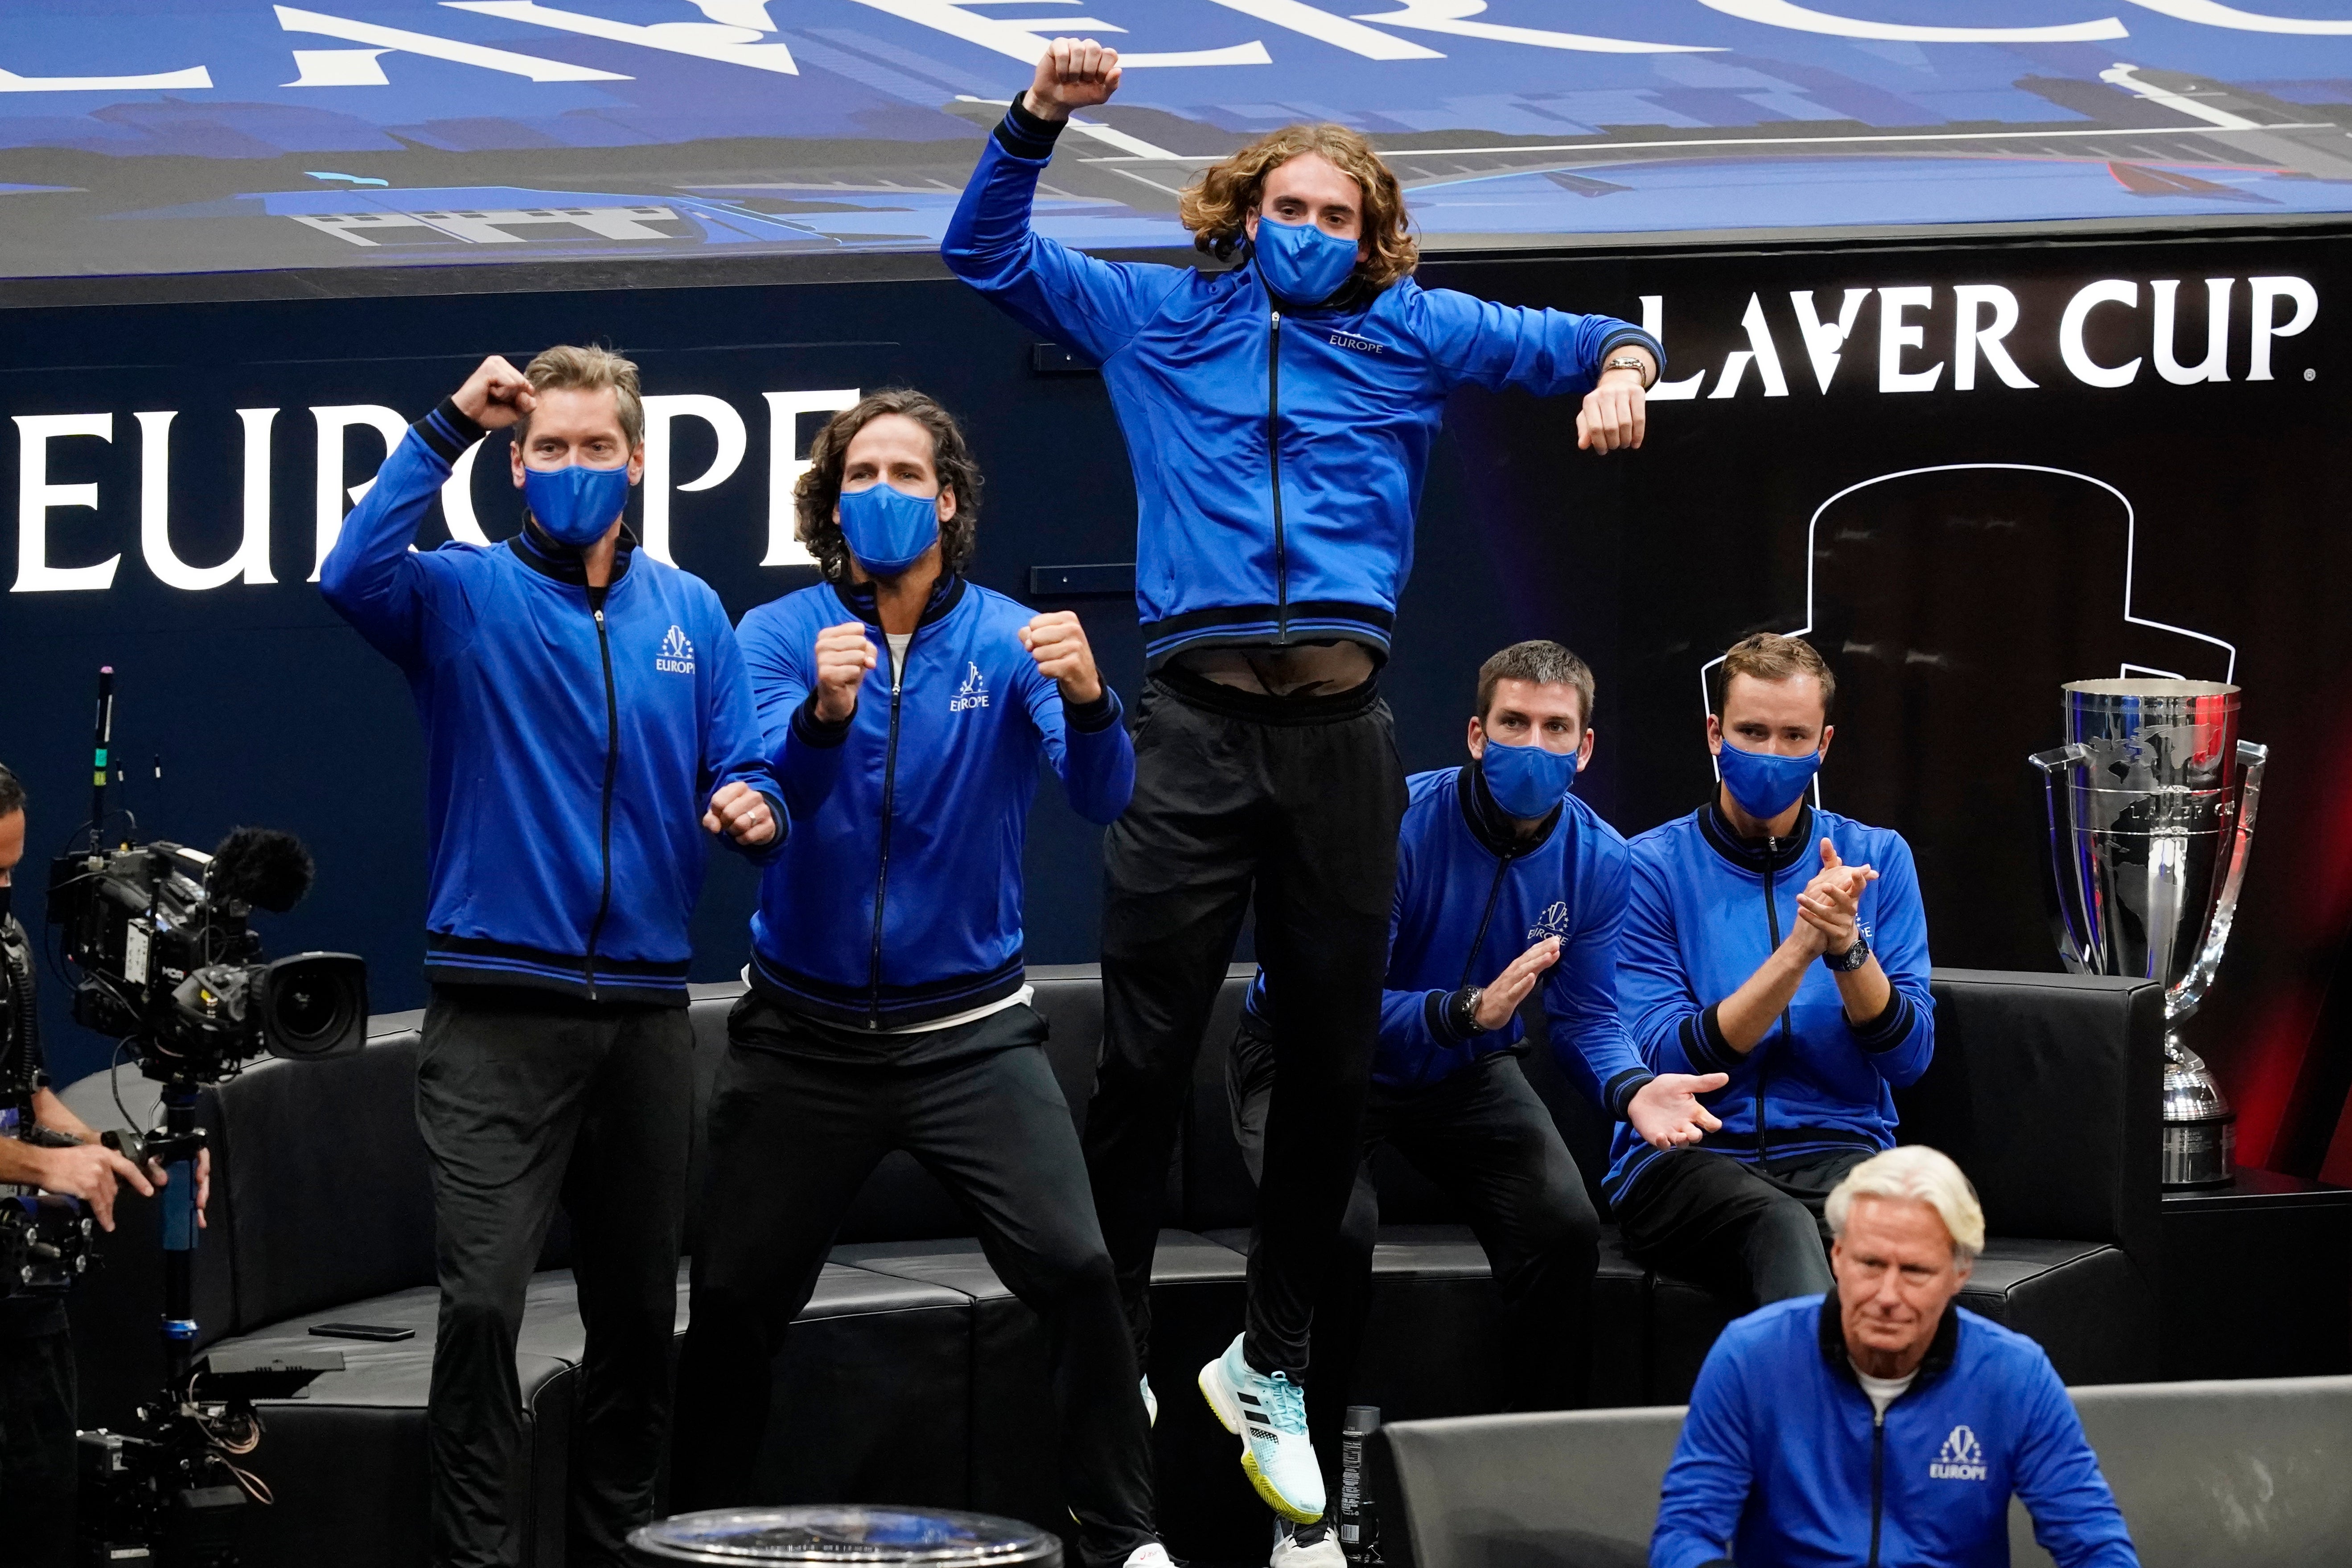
{"points": [[1279, 417], [603, 691]]}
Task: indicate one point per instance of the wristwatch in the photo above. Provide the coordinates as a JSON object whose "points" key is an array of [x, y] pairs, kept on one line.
{"points": [[1853, 957], [1461, 1011], [1627, 363]]}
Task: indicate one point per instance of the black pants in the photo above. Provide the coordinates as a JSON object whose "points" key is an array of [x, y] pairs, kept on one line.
{"points": [[1486, 1138], [527, 1101], [1296, 802], [1754, 1233], [37, 1447], [793, 1135]]}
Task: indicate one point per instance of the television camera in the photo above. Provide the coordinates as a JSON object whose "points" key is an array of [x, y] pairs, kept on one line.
{"points": [[164, 959]]}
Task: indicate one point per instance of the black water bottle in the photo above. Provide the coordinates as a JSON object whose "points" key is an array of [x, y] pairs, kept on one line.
{"points": [[1359, 1525]]}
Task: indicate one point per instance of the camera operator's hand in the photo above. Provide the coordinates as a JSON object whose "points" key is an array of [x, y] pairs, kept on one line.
{"points": [[203, 1185], [741, 813], [89, 1172], [495, 395]]}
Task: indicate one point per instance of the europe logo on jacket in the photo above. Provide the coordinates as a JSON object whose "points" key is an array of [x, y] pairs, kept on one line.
{"points": [[972, 693], [677, 656], [1962, 1459], [1554, 921]]}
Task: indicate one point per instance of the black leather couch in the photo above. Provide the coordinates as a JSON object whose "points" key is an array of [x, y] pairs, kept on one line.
{"points": [[908, 1380], [2247, 1474]]}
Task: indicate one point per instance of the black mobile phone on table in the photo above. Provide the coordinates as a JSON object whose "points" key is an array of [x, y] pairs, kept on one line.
{"points": [[383, 1331]]}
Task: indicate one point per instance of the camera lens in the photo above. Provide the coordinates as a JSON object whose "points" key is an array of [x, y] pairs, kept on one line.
{"points": [[307, 1012], [314, 1004]]}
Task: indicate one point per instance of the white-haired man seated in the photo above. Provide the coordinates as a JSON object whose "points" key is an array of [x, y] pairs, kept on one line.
{"points": [[1880, 1423]]}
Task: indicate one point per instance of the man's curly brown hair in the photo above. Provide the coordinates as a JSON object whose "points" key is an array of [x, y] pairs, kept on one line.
{"points": [[1216, 205], [819, 490]]}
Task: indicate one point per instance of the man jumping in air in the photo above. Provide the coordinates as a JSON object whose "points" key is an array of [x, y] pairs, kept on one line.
{"points": [[1279, 416]]}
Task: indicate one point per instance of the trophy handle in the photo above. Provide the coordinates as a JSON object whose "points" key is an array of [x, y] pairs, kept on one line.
{"points": [[2251, 760], [2077, 945]]}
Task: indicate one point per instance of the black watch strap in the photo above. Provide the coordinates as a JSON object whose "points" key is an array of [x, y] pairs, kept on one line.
{"points": [[1853, 957]]}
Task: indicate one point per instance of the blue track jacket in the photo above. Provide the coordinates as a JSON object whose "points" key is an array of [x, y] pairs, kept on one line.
{"points": [[1279, 451], [1469, 899], [569, 753], [1707, 909], [899, 899], [1784, 1464]]}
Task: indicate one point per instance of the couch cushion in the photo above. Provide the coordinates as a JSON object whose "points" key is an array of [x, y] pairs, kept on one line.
{"points": [[857, 1415], [345, 1460], [1572, 1490], [1012, 1430], [2247, 1472], [2085, 1304]]}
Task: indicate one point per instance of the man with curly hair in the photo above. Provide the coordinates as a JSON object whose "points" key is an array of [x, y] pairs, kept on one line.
{"points": [[1279, 417], [907, 712]]}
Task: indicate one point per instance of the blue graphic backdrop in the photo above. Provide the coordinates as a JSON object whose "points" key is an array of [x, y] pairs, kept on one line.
{"points": [[221, 134]]}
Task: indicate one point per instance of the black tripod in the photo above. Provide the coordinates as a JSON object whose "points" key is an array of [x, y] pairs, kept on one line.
{"points": [[170, 1486]]}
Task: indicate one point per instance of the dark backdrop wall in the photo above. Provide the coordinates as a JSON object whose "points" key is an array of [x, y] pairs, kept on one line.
{"points": [[1973, 473]]}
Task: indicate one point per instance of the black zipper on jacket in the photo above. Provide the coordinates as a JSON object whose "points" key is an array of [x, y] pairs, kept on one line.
{"points": [[1494, 894], [889, 786], [612, 768], [1772, 923], [1877, 1475], [1274, 464]]}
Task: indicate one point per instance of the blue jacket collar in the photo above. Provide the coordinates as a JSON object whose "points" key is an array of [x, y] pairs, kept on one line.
{"points": [[1755, 856], [544, 556], [1938, 1361], [1491, 825], [946, 594], [1352, 298]]}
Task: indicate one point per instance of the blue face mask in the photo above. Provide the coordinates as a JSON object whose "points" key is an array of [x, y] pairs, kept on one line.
{"points": [[1300, 262], [1763, 784], [1526, 781], [888, 530], [573, 504]]}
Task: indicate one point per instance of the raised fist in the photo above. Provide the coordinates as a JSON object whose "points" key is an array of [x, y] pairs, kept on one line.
{"points": [[495, 395], [1073, 74], [843, 654]]}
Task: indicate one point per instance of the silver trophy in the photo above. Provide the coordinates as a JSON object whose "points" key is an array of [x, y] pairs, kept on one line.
{"points": [[2148, 839]]}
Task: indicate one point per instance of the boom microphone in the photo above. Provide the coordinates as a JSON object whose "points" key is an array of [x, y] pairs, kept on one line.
{"points": [[262, 867]]}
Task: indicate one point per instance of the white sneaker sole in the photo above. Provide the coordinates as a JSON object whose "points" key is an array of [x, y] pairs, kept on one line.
{"points": [[1225, 1404]]}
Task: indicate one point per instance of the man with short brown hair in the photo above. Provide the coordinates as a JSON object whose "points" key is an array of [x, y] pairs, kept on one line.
{"points": [[1279, 416], [588, 728], [1788, 948]]}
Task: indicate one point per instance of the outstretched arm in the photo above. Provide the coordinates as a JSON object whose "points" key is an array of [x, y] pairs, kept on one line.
{"points": [[1095, 307], [1588, 1030], [1548, 352]]}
